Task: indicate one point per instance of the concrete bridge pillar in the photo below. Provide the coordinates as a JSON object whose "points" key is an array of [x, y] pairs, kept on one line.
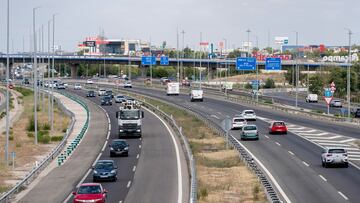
{"points": [[74, 68]]}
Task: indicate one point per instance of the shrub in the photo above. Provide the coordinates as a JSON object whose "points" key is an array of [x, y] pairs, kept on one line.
{"points": [[25, 92], [269, 83], [29, 134], [46, 126], [45, 139], [18, 145], [31, 125], [57, 138], [11, 137]]}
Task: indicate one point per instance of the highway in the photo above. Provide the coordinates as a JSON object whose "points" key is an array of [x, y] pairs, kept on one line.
{"points": [[293, 161], [151, 169]]}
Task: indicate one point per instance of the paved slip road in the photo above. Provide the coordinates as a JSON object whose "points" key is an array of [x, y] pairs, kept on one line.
{"points": [[150, 173], [293, 161]]}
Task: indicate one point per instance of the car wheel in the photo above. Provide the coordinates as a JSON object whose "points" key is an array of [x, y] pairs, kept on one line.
{"points": [[285, 133], [346, 165], [94, 180]]}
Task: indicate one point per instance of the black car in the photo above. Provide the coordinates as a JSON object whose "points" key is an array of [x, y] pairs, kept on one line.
{"points": [[109, 93], [90, 93], [106, 100], [105, 170], [119, 147], [357, 113], [26, 81]]}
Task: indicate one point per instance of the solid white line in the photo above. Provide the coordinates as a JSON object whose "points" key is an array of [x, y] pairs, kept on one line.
{"points": [[140, 146], [134, 168], [325, 138], [290, 152], [137, 156], [343, 195], [330, 144], [347, 140], [82, 180], [353, 152], [129, 183], [322, 177], [108, 135], [309, 131], [306, 164], [97, 158], [278, 143], [267, 136], [215, 116], [312, 134], [109, 126], [120, 202], [273, 180], [326, 141], [104, 146], [178, 162]]}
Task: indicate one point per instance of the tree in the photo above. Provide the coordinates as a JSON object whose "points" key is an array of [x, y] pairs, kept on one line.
{"points": [[234, 54], [316, 84], [290, 76], [269, 83]]}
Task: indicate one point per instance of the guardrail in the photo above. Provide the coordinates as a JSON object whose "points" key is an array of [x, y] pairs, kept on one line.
{"points": [[44, 162], [243, 153]]}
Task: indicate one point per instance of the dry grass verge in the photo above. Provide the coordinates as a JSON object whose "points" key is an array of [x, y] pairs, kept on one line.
{"points": [[222, 176], [22, 138]]}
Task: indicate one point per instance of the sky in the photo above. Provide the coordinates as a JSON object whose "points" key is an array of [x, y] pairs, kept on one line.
{"points": [[316, 21]]}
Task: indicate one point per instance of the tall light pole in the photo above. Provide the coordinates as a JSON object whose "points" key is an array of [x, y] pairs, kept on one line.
{"points": [[348, 75], [297, 70], [182, 54], [226, 68], [7, 85], [248, 41], [177, 55], [200, 57], [48, 75], [35, 69], [52, 72], [150, 62]]}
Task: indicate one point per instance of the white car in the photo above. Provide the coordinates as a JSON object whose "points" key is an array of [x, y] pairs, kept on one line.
{"points": [[334, 155], [311, 98], [249, 114], [77, 86], [127, 84], [238, 122], [89, 81], [101, 92], [196, 95]]}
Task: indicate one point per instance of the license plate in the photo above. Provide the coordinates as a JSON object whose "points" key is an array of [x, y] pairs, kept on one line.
{"points": [[103, 176]]}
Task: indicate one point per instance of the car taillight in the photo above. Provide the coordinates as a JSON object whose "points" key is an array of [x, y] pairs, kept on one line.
{"points": [[329, 155]]}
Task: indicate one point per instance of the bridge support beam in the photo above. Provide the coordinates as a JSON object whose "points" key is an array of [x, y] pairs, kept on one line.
{"points": [[74, 68]]}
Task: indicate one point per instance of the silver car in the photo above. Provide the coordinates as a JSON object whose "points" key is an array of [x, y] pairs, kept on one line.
{"points": [[249, 115], [336, 103], [334, 156], [249, 132]]}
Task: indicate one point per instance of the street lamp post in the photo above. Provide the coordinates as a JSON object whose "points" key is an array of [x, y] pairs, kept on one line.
{"points": [[297, 70], [7, 85], [177, 56], [182, 54], [348, 75], [35, 69], [226, 69], [52, 72], [48, 75]]}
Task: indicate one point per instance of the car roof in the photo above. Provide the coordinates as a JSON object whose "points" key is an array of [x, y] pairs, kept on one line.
{"points": [[238, 117], [90, 184], [248, 110], [277, 121], [334, 148], [105, 161], [251, 125], [119, 140]]}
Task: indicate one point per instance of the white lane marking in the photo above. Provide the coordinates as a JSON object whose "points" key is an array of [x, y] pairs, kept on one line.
{"points": [[312, 134], [332, 144], [352, 159], [219, 113], [326, 141], [120, 202], [109, 126], [347, 140], [322, 177], [308, 131], [178, 162], [273, 180], [290, 152], [134, 168], [325, 138], [343, 195], [108, 135], [353, 152], [129, 183], [104, 146], [267, 136], [215, 116], [306, 164], [295, 129], [97, 158], [137, 156], [139, 146], [278, 143]]}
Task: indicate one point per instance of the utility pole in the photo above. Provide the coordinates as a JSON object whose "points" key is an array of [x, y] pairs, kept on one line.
{"points": [[200, 57], [348, 76], [48, 75], [43, 61], [35, 69], [248, 41], [297, 70], [177, 55], [182, 54], [7, 85], [150, 62], [52, 73], [226, 69]]}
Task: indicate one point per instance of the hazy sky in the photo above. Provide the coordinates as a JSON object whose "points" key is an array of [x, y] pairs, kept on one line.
{"points": [[317, 21]]}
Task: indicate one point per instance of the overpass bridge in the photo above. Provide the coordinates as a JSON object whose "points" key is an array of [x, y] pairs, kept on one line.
{"points": [[74, 61]]}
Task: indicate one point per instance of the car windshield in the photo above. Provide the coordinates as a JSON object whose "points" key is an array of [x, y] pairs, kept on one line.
{"points": [[250, 128], [249, 112], [129, 114], [89, 189], [104, 165], [279, 124], [239, 120], [91, 92], [106, 98], [119, 144], [120, 97], [337, 151], [77, 84]]}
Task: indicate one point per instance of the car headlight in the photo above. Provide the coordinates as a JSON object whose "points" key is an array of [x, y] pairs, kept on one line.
{"points": [[111, 148], [113, 171], [95, 172], [126, 148]]}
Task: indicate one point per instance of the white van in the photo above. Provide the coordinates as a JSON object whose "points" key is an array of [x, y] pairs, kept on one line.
{"points": [[312, 98], [196, 95], [173, 88]]}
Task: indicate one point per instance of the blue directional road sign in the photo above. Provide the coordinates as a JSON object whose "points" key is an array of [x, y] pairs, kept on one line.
{"points": [[273, 64], [243, 63], [327, 93], [148, 60], [164, 60]]}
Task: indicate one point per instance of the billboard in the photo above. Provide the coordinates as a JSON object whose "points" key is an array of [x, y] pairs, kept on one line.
{"points": [[281, 40]]}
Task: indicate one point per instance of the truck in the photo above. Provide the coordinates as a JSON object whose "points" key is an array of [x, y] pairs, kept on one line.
{"points": [[227, 86], [129, 121], [311, 98], [196, 95], [173, 88]]}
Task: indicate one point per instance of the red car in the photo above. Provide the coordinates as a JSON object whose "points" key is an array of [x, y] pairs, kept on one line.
{"points": [[277, 127], [90, 192]]}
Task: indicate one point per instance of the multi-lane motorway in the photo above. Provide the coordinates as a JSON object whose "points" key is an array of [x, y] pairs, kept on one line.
{"points": [[152, 168], [293, 161]]}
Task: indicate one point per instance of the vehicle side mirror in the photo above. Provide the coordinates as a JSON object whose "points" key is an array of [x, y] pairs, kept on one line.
{"points": [[74, 193], [115, 167], [142, 114], [117, 114], [105, 191], [92, 167]]}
